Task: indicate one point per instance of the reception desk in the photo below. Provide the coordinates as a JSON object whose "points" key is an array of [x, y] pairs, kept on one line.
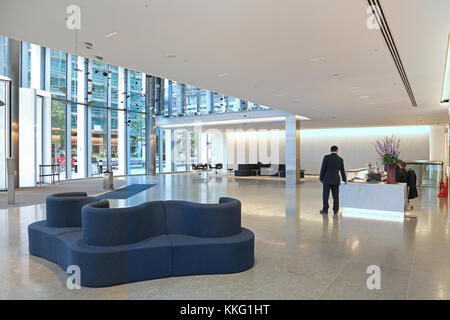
{"points": [[376, 199]]}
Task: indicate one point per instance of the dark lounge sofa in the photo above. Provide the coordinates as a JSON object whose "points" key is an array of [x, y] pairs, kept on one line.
{"points": [[153, 240], [245, 170]]}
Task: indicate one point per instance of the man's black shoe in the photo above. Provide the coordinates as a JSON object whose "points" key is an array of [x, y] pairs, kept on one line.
{"points": [[323, 212]]}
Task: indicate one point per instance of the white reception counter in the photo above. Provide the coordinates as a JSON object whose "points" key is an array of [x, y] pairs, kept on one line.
{"points": [[373, 198]]}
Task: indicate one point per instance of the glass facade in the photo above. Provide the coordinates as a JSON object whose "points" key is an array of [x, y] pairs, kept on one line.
{"points": [[99, 112], [186, 100], [58, 71]]}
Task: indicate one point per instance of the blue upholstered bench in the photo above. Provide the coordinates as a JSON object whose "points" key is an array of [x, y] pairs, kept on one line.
{"points": [[63, 215], [153, 240]]}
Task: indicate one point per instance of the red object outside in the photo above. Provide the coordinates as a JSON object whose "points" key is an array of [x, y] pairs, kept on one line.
{"points": [[62, 161]]}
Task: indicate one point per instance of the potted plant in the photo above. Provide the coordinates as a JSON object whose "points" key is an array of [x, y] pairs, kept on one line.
{"points": [[389, 150]]}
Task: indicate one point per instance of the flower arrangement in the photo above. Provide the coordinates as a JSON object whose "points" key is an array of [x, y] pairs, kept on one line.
{"points": [[388, 149]]}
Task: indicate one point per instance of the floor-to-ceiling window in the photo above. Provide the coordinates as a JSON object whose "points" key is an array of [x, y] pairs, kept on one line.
{"points": [[233, 104], [115, 103], [58, 61], [78, 113], [253, 106], [136, 123], [219, 103], [204, 101], [99, 146], [58, 88], [59, 135], [99, 83], [137, 142], [177, 98], [191, 100], [74, 141], [99, 118]]}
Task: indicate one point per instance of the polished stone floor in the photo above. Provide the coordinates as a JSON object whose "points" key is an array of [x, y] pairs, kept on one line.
{"points": [[298, 253]]}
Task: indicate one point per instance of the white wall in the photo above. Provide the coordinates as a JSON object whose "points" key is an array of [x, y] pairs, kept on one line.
{"points": [[356, 145], [251, 146]]}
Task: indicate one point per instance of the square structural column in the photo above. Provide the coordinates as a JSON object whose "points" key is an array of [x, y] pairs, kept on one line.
{"points": [[292, 149]]}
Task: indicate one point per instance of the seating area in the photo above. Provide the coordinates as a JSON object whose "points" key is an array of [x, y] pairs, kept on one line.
{"points": [[155, 239], [206, 167], [259, 169]]}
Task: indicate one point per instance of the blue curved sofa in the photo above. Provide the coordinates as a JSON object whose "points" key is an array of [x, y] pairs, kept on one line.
{"points": [[155, 239]]}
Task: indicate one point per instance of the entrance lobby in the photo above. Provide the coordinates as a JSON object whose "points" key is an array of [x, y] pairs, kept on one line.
{"points": [[216, 150]]}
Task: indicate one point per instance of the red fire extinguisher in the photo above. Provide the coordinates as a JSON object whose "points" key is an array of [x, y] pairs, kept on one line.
{"points": [[444, 189]]}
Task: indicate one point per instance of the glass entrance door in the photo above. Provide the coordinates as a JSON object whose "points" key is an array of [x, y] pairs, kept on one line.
{"points": [[4, 107]]}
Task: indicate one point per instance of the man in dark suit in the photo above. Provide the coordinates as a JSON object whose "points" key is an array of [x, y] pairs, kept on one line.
{"points": [[332, 164]]}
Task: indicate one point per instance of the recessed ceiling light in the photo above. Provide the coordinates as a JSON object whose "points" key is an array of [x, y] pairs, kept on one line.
{"points": [[171, 55], [317, 59], [111, 34], [363, 97], [223, 75]]}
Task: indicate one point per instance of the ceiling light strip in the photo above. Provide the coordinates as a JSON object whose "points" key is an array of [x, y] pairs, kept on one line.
{"points": [[387, 35]]}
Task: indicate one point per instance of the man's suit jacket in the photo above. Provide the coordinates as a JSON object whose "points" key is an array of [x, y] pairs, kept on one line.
{"points": [[332, 164]]}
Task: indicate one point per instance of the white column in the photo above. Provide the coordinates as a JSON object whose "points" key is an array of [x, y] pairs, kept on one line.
{"points": [[292, 150], [121, 143], [27, 151], [437, 143], [35, 66]]}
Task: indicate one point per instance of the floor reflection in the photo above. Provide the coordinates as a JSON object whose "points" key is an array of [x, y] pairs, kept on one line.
{"points": [[300, 254]]}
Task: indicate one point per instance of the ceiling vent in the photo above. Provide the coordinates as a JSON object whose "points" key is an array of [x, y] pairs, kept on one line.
{"points": [[384, 28]]}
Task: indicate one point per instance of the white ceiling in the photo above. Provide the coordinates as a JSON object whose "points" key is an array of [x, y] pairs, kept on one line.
{"points": [[265, 47]]}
